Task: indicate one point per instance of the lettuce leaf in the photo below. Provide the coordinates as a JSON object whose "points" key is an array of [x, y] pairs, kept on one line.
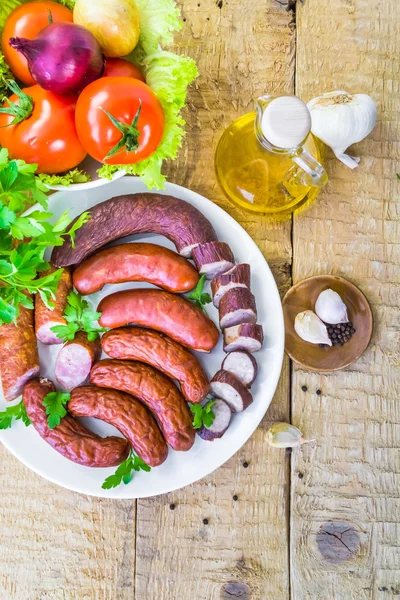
{"points": [[168, 75], [158, 21], [73, 176], [5, 74]]}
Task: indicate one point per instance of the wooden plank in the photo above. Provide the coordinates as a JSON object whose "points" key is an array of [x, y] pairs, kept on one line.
{"points": [[351, 475], [243, 49]]}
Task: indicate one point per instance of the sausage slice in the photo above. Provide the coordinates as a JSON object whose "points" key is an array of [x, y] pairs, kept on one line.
{"points": [[75, 360], [45, 318]]}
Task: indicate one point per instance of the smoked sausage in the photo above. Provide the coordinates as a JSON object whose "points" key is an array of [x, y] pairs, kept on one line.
{"points": [[19, 358], [75, 360], [179, 318], [70, 438], [45, 318], [130, 417], [135, 262], [121, 216], [161, 352], [156, 391]]}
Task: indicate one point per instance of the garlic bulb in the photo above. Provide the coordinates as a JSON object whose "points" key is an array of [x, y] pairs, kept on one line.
{"points": [[311, 329], [340, 119], [284, 435], [331, 308]]}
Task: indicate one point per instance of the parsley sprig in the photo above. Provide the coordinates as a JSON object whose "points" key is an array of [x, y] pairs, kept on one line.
{"points": [[198, 296], [202, 415], [79, 317], [55, 403], [124, 473], [17, 412]]}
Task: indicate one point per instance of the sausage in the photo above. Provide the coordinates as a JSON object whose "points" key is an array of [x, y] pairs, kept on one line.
{"points": [[242, 365], [247, 336], [75, 360], [226, 386], [156, 391], [135, 262], [70, 438], [130, 417], [238, 276], [222, 418], [161, 352], [45, 318], [179, 318], [119, 217], [19, 357], [213, 258], [237, 306]]}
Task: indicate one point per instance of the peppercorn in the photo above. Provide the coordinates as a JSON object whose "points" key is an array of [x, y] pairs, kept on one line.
{"points": [[172, 506], [304, 388], [235, 498], [245, 465], [318, 392], [205, 521]]}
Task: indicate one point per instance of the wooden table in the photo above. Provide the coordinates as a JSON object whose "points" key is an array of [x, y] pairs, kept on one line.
{"points": [[321, 523]]}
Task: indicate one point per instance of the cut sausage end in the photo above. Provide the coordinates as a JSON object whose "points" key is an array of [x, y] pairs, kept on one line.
{"points": [[213, 258], [48, 337], [237, 277], [237, 306], [242, 365], [247, 336], [75, 360], [16, 390], [226, 386], [223, 416]]}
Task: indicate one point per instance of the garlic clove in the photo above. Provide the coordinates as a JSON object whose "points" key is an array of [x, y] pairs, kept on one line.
{"points": [[311, 329], [330, 308], [284, 435], [350, 161]]}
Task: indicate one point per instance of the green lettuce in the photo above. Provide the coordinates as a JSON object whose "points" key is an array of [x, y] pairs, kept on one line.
{"points": [[5, 74], [168, 75], [158, 21], [73, 176]]}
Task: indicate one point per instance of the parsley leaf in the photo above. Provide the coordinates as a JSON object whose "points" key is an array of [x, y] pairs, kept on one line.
{"points": [[198, 296], [79, 317], [55, 407], [202, 415], [17, 412], [125, 471]]}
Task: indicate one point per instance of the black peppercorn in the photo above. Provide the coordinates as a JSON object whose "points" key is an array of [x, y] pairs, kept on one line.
{"points": [[172, 506], [245, 465], [235, 498], [300, 475], [318, 392], [205, 521], [304, 388]]}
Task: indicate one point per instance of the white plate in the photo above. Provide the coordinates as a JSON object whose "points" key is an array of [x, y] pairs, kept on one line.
{"points": [[181, 468]]}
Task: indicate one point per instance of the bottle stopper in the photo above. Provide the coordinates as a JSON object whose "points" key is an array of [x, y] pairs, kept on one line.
{"points": [[286, 122]]}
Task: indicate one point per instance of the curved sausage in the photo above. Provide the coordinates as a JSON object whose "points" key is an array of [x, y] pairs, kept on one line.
{"points": [[135, 262], [75, 360], [156, 391], [19, 358], [70, 438], [161, 352], [179, 318], [46, 318], [126, 414], [119, 217]]}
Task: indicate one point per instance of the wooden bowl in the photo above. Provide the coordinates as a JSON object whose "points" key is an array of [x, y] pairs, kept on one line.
{"points": [[303, 296]]}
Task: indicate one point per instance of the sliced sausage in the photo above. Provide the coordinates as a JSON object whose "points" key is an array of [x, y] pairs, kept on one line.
{"points": [[222, 418], [119, 217], [226, 386], [237, 306], [242, 365], [75, 360], [248, 336], [135, 262], [45, 318], [70, 438], [19, 358], [161, 352], [156, 391], [237, 277], [125, 413], [213, 258], [179, 318]]}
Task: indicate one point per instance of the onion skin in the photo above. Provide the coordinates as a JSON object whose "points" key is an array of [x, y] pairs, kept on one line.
{"points": [[64, 58], [114, 23]]}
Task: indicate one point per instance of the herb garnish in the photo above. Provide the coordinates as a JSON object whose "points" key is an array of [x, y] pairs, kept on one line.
{"points": [[198, 296], [79, 317], [18, 411], [55, 407], [124, 473], [202, 415]]}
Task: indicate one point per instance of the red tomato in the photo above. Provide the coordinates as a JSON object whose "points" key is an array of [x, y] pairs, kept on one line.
{"points": [[48, 136], [119, 67], [27, 20], [121, 97]]}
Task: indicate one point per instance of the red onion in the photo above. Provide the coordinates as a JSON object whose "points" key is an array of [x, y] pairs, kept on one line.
{"points": [[63, 58]]}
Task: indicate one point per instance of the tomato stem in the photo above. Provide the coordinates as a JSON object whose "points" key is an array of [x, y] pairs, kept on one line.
{"points": [[20, 111], [130, 133]]}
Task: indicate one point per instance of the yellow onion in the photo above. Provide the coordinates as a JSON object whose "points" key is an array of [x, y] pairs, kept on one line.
{"points": [[114, 23]]}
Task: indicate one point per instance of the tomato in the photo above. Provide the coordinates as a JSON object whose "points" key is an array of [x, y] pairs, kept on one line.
{"points": [[27, 20], [119, 67], [121, 97], [48, 136]]}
